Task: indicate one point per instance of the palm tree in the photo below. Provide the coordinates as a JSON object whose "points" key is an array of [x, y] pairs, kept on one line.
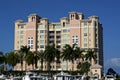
{"points": [[49, 55], [21, 56], [79, 54], [57, 59], [66, 51], [41, 54], [84, 69], [37, 56], [91, 55], [30, 58], [12, 59], [1, 57], [71, 53], [24, 50]]}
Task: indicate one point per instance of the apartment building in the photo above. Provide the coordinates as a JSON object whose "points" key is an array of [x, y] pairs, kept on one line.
{"points": [[38, 32]]}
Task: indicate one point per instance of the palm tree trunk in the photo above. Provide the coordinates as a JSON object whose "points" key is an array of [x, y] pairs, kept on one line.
{"points": [[25, 65], [41, 64], [33, 66], [72, 65], [22, 65], [67, 64], [48, 66]]}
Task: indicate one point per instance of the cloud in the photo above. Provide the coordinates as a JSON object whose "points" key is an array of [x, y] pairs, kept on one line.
{"points": [[114, 62]]}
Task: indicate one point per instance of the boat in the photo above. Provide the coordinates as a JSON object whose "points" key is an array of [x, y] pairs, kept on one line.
{"points": [[33, 76], [109, 77], [77, 77], [2, 76], [63, 76]]}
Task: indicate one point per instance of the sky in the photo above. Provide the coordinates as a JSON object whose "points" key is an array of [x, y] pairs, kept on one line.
{"points": [[107, 10]]}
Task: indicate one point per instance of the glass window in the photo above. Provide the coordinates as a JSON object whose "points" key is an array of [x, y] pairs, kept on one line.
{"points": [[21, 42], [21, 32], [21, 36], [64, 30], [85, 45], [57, 36], [63, 24], [85, 23], [67, 25], [42, 31], [75, 39], [42, 36], [85, 34], [58, 27], [85, 29], [42, 41], [64, 41], [85, 39], [64, 36], [51, 31], [22, 26], [31, 47], [41, 46], [30, 42]]}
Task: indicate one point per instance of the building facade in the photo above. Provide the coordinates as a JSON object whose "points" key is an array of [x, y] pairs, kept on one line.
{"points": [[38, 32]]}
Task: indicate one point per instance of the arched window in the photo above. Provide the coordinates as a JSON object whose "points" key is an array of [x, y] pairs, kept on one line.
{"points": [[63, 24]]}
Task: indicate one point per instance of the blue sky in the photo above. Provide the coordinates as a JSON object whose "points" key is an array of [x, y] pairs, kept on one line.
{"points": [[107, 10]]}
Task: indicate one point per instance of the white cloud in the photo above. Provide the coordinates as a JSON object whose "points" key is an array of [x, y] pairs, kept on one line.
{"points": [[114, 62]]}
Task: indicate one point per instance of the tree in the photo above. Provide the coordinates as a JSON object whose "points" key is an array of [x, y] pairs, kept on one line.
{"points": [[71, 53], [49, 55], [37, 56], [91, 55], [41, 57], [24, 50], [79, 54], [21, 56], [1, 57], [84, 68], [30, 59], [110, 71], [12, 59]]}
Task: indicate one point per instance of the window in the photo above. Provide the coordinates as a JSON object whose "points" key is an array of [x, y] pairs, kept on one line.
{"points": [[58, 27], [42, 36], [85, 29], [75, 39], [42, 41], [57, 36], [72, 16], [41, 46], [21, 36], [21, 41], [85, 23], [95, 70], [85, 45], [85, 39], [22, 27], [30, 42], [63, 24], [51, 31], [21, 32], [85, 34], [64, 30], [33, 19], [65, 41], [42, 31]]}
